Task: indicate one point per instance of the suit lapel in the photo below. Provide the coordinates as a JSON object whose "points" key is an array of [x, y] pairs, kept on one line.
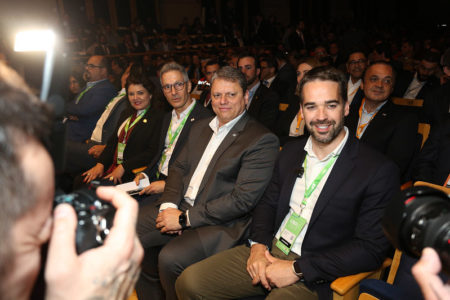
{"points": [[379, 119], [227, 142], [340, 172]]}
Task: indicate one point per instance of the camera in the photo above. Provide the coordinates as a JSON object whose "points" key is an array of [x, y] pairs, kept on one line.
{"points": [[419, 217], [95, 217]]}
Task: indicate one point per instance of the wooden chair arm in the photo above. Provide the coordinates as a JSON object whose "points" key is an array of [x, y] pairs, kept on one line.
{"points": [[343, 284]]}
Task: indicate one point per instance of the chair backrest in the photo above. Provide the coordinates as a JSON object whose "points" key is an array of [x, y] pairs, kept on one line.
{"points": [[424, 130], [283, 106], [407, 102], [434, 186]]}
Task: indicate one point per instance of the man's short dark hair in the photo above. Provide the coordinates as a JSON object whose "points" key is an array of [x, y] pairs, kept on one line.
{"points": [[356, 50], [326, 73], [212, 62], [231, 74], [248, 54], [105, 62], [23, 120], [270, 61], [383, 48]]}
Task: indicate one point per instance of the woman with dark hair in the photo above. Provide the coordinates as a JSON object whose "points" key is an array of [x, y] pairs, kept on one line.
{"points": [[136, 141], [76, 84], [290, 122]]}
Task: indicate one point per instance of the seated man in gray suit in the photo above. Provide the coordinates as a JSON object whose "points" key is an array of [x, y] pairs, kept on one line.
{"points": [[214, 184]]}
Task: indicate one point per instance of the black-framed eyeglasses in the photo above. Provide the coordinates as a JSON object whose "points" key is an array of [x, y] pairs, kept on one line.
{"points": [[91, 66], [179, 85]]}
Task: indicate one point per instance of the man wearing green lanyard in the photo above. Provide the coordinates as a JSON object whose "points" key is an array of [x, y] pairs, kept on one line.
{"points": [[176, 125], [319, 218]]}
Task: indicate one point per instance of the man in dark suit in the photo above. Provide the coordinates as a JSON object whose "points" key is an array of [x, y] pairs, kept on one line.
{"points": [[84, 112], [356, 65], [286, 79], [380, 123], [262, 102], [175, 127], [319, 218], [419, 84], [212, 187]]}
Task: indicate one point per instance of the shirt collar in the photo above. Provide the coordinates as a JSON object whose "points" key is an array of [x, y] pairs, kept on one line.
{"points": [[252, 91], [184, 113], [214, 124], [375, 111], [336, 151], [350, 83], [92, 83]]}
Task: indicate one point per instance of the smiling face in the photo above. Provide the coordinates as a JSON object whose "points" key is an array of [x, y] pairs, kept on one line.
{"points": [[228, 100], [138, 96], [356, 65], [323, 111], [378, 82]]}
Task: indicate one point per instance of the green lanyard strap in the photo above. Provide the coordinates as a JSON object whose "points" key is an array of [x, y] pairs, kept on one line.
{"points": [[82, 93], [127, 125], [309, 190], [172, 138]]}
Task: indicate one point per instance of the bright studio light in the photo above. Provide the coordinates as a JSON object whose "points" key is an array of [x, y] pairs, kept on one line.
{"points": [[34, 40]]}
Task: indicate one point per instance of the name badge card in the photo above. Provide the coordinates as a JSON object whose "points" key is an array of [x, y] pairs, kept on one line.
{"points": [[291, 231]]}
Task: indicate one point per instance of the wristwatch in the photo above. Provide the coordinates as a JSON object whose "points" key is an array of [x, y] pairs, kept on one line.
{"points": [[182, 220], [296, 270]]}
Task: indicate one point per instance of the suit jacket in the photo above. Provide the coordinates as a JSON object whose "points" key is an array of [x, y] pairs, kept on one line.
{"points": [[142, 144], [88, 111], [264, 106], [285, 82], [344, 235], [433, 163], [392, 132], [232, 185], [198, 113], [404, 80]]}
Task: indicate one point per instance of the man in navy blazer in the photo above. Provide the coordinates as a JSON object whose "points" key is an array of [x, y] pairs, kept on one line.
{"points": [[84, 112], [319, 218], [212, 187]]}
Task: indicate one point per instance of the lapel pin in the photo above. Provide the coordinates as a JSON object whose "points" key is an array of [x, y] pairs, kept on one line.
{"points": [[384, 115], [145, 121], [234, 134]]}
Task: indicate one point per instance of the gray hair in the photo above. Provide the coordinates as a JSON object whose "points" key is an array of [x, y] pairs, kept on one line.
{"points": [[231, 74], [173, 66]]}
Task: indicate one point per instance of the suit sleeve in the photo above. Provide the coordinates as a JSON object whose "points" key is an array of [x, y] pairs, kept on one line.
{"points": [[368, 246], [254, 174], [95, 102], [404, 142]]}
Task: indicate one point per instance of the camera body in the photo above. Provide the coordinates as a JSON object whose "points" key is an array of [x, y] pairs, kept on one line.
{"points": [[419, 217], [95, 217]]}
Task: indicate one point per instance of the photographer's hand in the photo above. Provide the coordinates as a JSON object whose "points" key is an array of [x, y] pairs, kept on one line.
{"points": [[106, 272], [426, 273]]}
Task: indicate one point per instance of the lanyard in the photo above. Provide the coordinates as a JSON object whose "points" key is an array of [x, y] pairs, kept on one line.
{"points": [[172, 138], [299, 120], [309, 190], [82, 93], [127, 125], [361, 127]]}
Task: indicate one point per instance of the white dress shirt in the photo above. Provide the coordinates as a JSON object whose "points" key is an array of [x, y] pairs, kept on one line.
{"points": [[352, 89]]}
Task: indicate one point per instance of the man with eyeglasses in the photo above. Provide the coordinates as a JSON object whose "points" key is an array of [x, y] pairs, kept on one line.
{"points": [[356, 65], [211, 189], [175, 128], [84, 112], [380, 123]]}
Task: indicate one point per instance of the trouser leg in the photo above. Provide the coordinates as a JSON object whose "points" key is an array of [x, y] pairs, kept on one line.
{"points": [[222, 276]]}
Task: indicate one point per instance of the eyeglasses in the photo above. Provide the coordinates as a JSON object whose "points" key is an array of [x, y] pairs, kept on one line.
{"points": [[91, 66], [179, 85]]}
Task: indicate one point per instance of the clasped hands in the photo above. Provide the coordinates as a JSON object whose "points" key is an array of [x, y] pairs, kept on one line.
{"points": [[268, 270], [167, 221]]}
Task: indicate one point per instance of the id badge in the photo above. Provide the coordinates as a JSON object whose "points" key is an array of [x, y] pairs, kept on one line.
{"points": [[290, 232], [120, 149]]}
